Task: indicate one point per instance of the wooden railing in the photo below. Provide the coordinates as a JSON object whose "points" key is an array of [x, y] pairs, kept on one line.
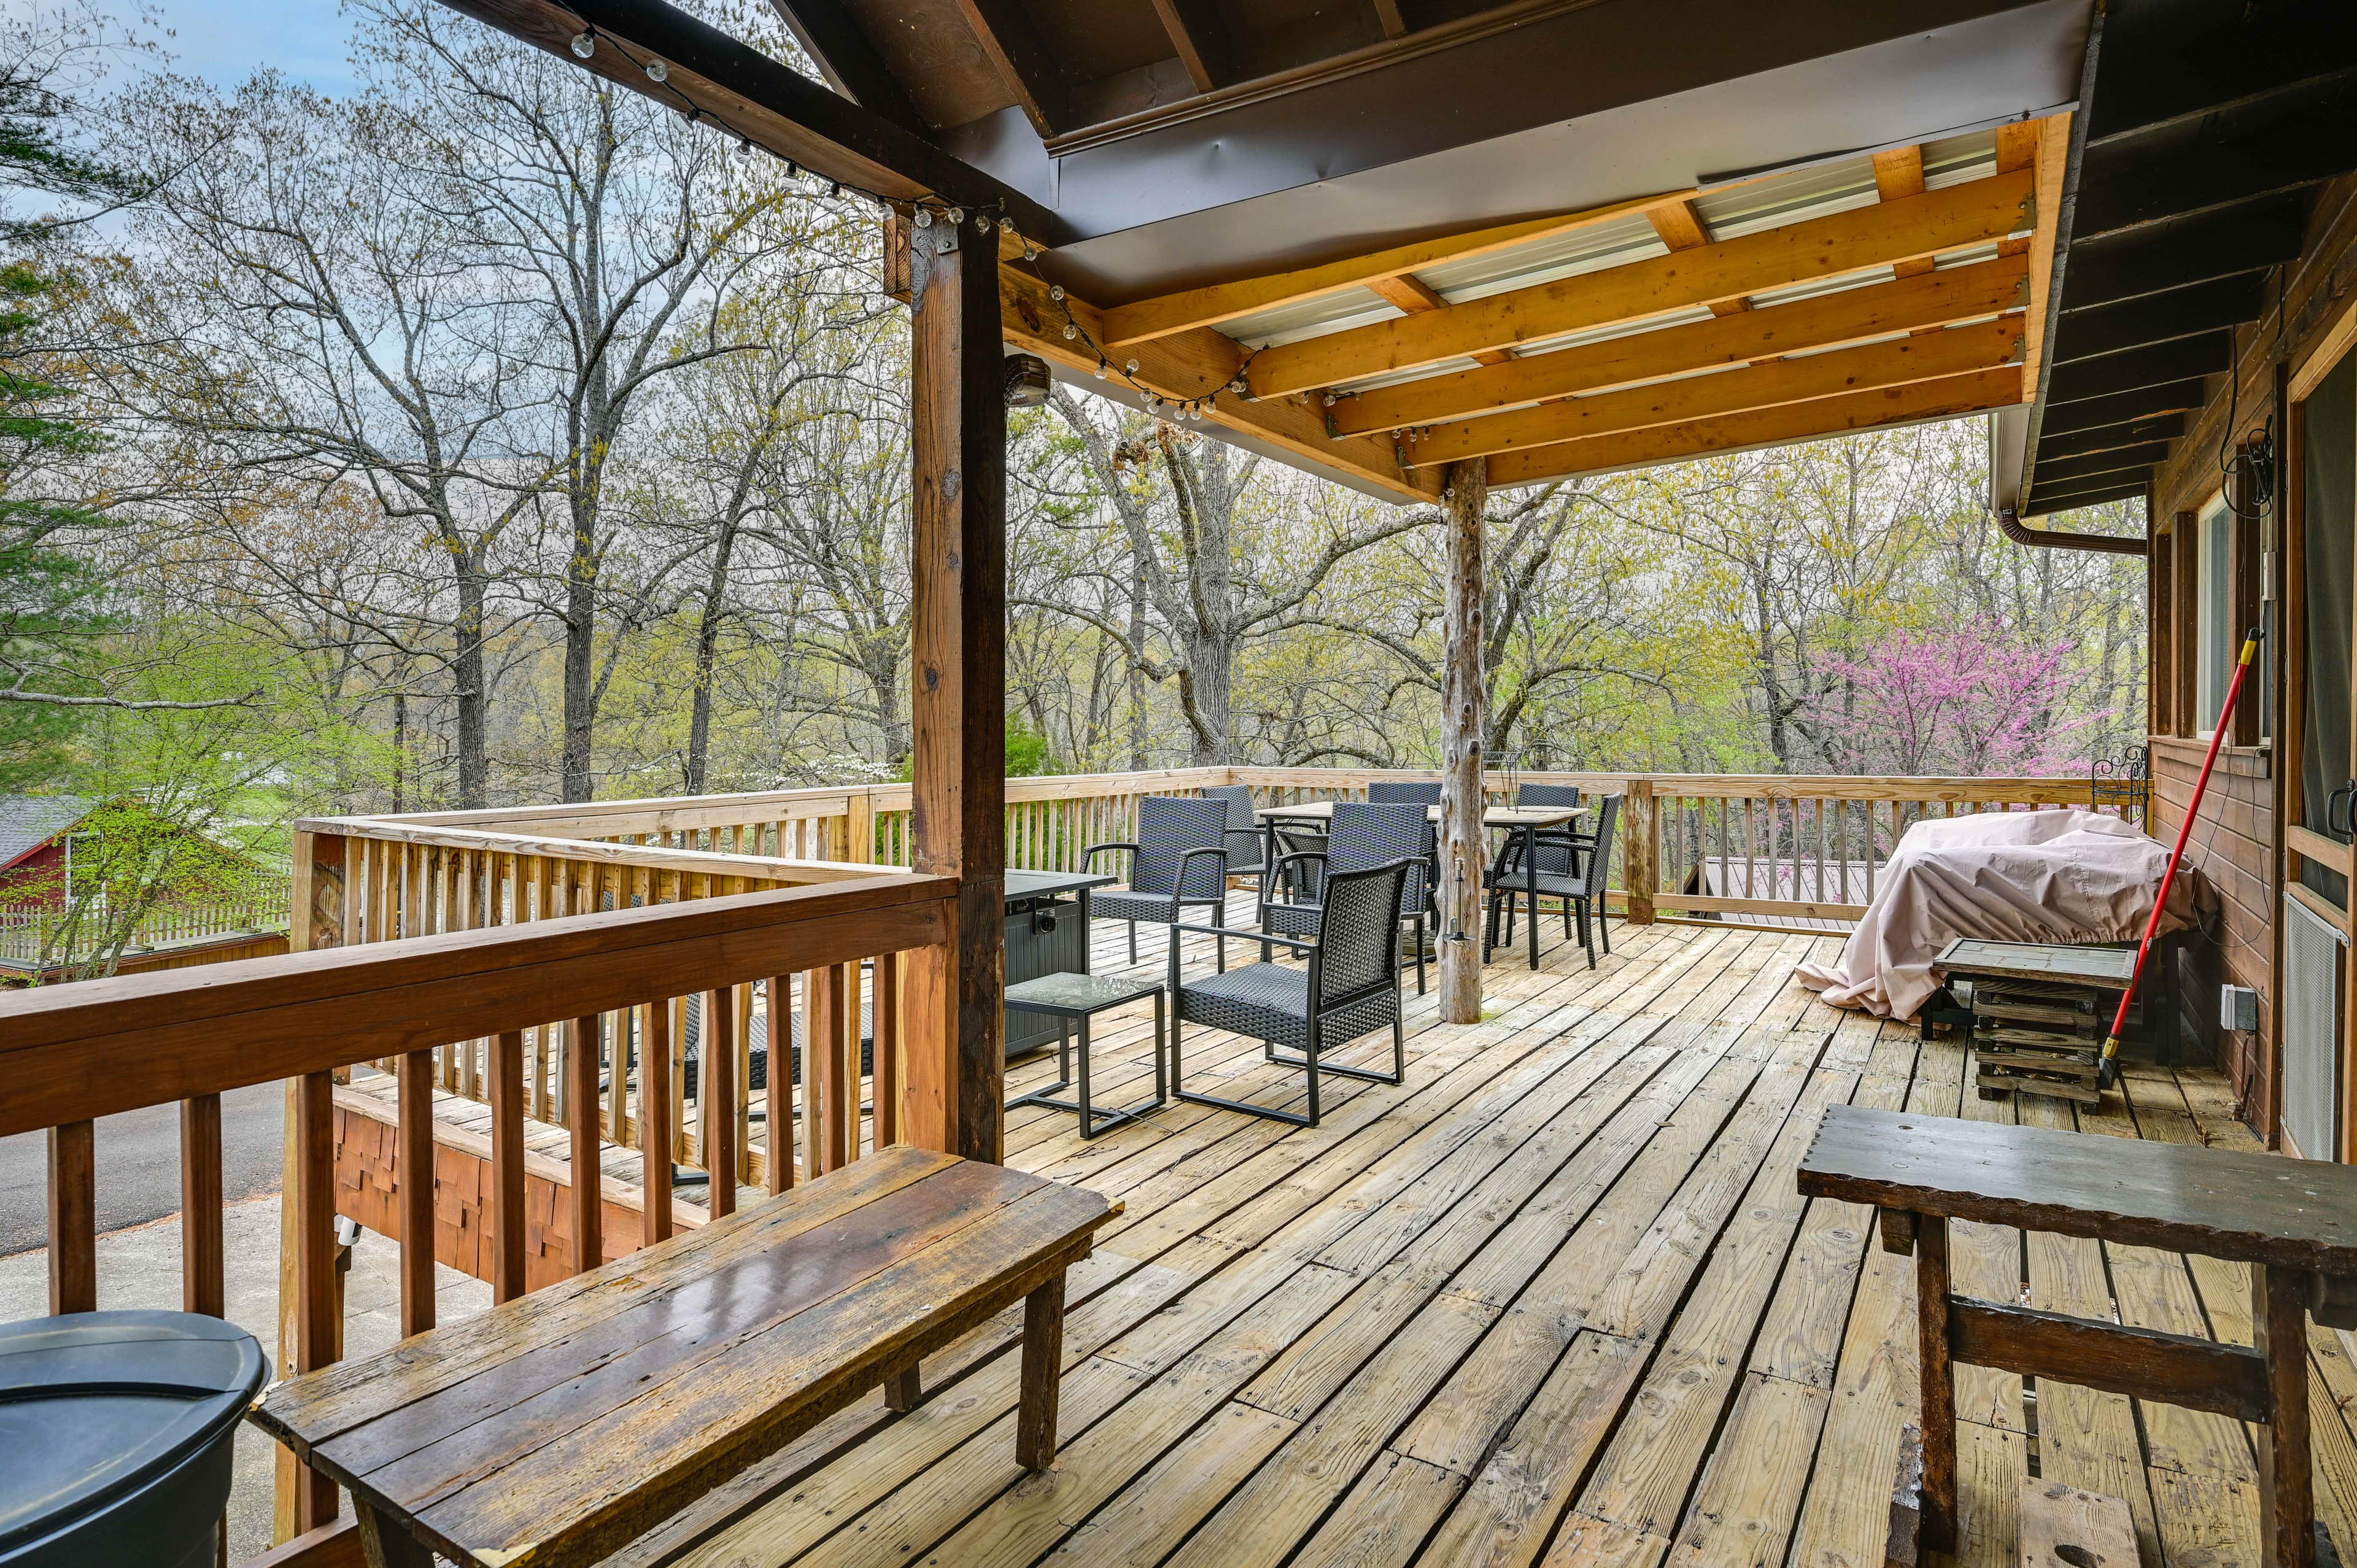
{"points": [[604, 988], [33, 935]]}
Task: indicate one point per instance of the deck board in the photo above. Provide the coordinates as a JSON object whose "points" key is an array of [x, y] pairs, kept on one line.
{"points": [[1552, 1301]]}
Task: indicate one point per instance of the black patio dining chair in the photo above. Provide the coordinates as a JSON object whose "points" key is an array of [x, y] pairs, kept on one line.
{"points": [[1247, 843], [1553, 795], [1179, 859], [1364, 836], [1404, 792], [1575, 869], [1349, 988]]}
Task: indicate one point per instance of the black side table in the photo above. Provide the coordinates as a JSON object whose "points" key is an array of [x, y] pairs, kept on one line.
{"points": [[1073, 998]]}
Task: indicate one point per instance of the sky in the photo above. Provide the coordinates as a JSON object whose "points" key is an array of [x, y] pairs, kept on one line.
{"points": [[225, 40]]}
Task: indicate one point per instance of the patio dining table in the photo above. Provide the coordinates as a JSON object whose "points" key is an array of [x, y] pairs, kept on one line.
{"points": [[1525, 823]]}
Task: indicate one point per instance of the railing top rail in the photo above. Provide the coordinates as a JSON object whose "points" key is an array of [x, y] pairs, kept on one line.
{"points": [[72, 1052], [689, 862]]}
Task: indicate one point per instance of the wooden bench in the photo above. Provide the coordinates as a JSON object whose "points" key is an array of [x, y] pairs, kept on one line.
{"points": [[2293, 1221], [555, 1429]]}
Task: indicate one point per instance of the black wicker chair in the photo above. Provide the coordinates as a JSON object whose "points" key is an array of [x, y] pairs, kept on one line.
{"points": [[1404, 792], [1180, 858], [1247, 843], [1350, 988], [1585, 869], [1364, 835]]}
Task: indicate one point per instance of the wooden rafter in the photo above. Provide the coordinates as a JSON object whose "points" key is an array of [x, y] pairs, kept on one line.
{"points": [[1413, 296], [1680, 228], [1186, 366], [1963, 215], [736, 87], [1012, 40], [1851, 315], [1917, 402], [826, 30], [1213, 304], [2050, 152], [1201, 37], [1898, 175], [1983, 346]]}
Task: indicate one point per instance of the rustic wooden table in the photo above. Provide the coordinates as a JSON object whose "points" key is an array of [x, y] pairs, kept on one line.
{"points": [[2293, 1221], [553, 1429]]}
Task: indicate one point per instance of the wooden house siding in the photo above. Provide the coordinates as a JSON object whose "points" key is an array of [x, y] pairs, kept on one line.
{"points": [[2238, 843]]}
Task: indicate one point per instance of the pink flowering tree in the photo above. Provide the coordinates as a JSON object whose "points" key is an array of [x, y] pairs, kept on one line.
{"points": [[1967, 700]]}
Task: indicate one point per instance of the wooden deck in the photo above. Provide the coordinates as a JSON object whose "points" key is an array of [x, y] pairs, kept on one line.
{"points": [[1552, 1301]]}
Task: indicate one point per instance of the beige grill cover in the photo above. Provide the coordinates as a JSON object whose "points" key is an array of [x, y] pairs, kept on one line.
{"points": [[2019, 876]]}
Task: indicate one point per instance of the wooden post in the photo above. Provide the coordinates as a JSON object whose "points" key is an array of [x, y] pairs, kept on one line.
{"points": [[316, 920], [203, 1274], [859, 826], [958, 788], [2279, 1332], [1939, 1375], [1463, 718], [318, 1305], [716, 1092]]}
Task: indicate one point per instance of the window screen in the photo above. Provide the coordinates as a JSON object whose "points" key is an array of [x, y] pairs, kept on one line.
{"points": [[2328, 552], [2217, 638]]}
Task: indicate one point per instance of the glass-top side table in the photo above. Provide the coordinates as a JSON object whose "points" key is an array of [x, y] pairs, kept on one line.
{"points": [[1074, 999]]}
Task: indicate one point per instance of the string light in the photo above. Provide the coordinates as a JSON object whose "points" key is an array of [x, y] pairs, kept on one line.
{"points": [[658, 71], [584, 45]]}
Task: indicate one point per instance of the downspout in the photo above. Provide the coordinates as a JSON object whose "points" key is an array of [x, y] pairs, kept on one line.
{"points": [[2009, 523]]}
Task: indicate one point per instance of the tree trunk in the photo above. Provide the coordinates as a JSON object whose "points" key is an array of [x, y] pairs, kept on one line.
{"points": [[1466, 496], [470, 692], [580, 662], [707, 650]]}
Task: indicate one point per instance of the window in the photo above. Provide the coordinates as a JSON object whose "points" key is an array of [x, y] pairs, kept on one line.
{"points": [[2217, 643]]}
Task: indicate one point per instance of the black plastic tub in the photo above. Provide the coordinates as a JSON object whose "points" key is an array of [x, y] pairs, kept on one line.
{"points": [[116, 1432]]}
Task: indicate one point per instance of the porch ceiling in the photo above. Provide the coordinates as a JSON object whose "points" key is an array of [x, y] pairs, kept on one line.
{"points": [[2209, 126], [1372, 237]]}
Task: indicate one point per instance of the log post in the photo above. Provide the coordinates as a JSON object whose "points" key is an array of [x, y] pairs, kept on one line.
{"points": [[1641, 853], [956, 1067], [1465, 495]]}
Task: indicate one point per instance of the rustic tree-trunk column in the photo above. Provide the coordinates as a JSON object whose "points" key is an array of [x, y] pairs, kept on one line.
{"points": [[1464, 703], [956, 1067]]}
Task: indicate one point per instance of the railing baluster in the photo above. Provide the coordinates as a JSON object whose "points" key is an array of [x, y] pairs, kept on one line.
{"points": [[716, 1088], [507, 1166], [740, 1102], [318, 1312], [655, 1122], [203, 1282], [73, 1217], [885, 1012], [412, 1177], [844, 1087], [778, 1092], [581, 1117]]}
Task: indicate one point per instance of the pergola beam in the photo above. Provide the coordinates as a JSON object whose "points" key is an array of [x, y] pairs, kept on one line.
{"points": [[1911, 404], [1851, 315], [1983, 346], [742, 91], [1209, 306], [826, 30], [1960, 215], [1188, 366]]}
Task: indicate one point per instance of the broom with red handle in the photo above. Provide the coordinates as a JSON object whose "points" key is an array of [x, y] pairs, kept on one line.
{"points": [[2108, 1070]]}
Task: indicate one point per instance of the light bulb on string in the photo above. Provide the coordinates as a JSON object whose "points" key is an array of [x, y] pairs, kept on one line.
{"points": [[1101, 370], [658, 71], [584, 45]]}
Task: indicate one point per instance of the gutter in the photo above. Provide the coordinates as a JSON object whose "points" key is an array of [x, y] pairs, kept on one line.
{"points": [[2009, 523]]}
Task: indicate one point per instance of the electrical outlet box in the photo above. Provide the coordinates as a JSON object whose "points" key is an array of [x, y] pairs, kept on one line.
{"points": [[2238, 1007]]}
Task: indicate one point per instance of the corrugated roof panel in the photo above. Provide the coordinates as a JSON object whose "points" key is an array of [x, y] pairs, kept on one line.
{"points": [[1393, 378], [1613, 242], [1792, 197], [1311, 317], [1953, 160]]}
